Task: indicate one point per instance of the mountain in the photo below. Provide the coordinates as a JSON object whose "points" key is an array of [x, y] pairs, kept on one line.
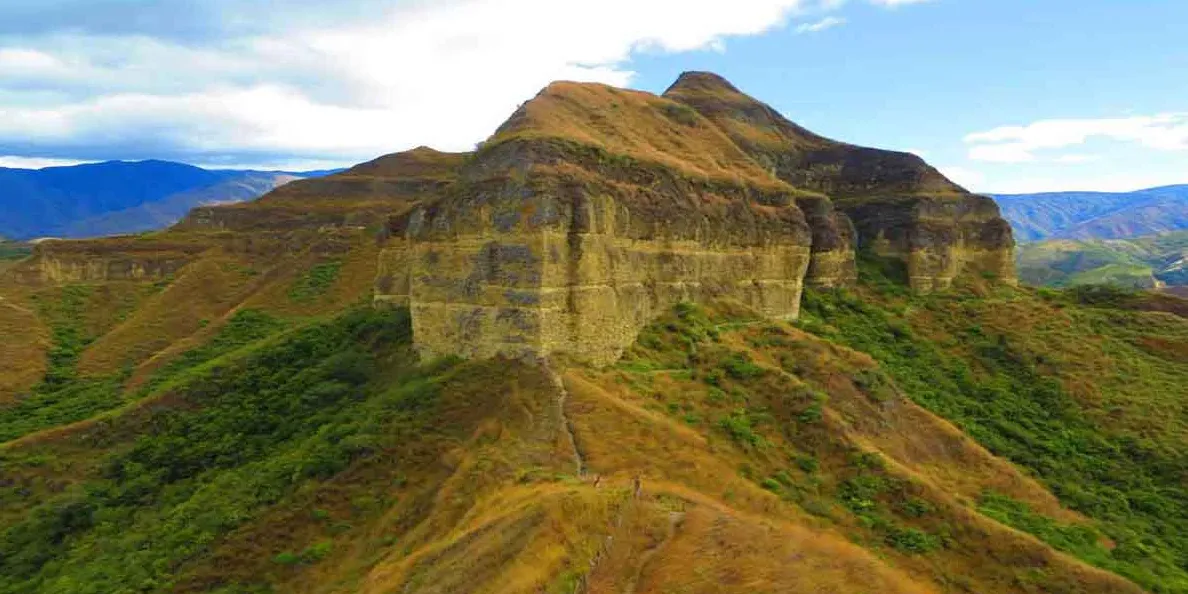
{"points": [[631, 343], [119, 197], [1140, 262], [1096, 215]]}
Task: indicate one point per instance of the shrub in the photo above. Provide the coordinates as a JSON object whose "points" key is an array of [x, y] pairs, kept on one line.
{"points": [[912, 540], [315, 282], [740, 367], [741, 428]]}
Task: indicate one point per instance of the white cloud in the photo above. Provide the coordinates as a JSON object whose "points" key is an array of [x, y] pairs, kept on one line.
{"points": [[1105, 182], [1017, 144], [15, 162], [826, 23], [894, 3], [970, 179], [1075, 158], [441, 73], [231, 82]]}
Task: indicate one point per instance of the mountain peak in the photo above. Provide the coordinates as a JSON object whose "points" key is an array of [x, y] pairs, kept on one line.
{"points": [[702, 81]]}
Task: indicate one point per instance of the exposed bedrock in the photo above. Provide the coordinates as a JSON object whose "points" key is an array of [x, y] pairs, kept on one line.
{"points": [[939, 238], [111, 259], [523, 271]]}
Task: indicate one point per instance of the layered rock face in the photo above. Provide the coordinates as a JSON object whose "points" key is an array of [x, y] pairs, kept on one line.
{"points": [[98, 260], [553, 246], [593, 208], [899, 205]]}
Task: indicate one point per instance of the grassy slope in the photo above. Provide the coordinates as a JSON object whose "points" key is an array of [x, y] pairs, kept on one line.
{"points": [[1087, 398], [1138, 262], [319, 457]]}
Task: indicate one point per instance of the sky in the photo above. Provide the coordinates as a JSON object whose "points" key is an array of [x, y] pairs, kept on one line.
{"points": [[1003, 96]]}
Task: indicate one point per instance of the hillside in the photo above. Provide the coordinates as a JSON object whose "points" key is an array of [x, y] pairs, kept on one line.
{"points": [[632, 343], [1140, 262], [1096, 215], [119, 197]]}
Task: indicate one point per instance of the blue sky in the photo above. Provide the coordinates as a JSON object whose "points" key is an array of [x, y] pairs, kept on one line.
{"points": [[1002, 95]]}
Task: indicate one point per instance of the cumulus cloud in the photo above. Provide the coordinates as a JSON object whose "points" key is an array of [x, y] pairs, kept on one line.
{"points": [[894, 3], [826, 23], [234, 82], [244, 81], [16, 162], [1019, 144], [970, 179]]}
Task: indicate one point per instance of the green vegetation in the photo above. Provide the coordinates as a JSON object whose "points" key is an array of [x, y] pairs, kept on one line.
{"points": [[1082, 541], [1006, 387], [64, 396], [315, 282], [14, 251], [1140, 262], [241, 433]]}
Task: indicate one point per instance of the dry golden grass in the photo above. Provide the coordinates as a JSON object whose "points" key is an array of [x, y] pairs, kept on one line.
{"points": [[204, 290], [638, 125], [24, 340]]}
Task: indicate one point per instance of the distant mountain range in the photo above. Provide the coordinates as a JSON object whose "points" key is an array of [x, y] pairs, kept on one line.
{"points": [[1096, 215], [120, 196]]}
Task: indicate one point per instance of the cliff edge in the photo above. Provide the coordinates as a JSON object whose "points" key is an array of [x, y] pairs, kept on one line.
{"points": [[594, 208]]}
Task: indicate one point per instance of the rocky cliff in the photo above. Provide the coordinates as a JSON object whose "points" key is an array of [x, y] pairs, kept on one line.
{"points": [[111, 259], [900, 206], [592, 208]]}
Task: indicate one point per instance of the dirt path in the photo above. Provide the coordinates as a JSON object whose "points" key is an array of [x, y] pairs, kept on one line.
{"points": [[563, 416], [674, 520]]}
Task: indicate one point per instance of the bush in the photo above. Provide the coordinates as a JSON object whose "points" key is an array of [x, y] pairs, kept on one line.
{"points": [[740, 426], [912, 541]]}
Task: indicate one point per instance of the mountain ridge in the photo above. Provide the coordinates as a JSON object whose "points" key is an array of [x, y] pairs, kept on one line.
{"points": [[1096, 215], [119, 196]]}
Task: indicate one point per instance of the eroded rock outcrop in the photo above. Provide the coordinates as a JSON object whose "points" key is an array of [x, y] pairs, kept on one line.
{"points": [[899, 205], [564, 242], [593, 208], [109, 259]]}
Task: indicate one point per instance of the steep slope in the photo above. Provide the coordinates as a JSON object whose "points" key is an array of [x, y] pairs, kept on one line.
{"points": [[899, 205], [323, 458], [593, 208], [1096, 215]]}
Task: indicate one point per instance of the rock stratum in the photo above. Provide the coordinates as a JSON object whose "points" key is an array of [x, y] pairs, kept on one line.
{"points": [[593, 208]]}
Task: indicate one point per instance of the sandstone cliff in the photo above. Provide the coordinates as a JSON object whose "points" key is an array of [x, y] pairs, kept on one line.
{"points": [[899, 205], [110, 259], [592, 208]]}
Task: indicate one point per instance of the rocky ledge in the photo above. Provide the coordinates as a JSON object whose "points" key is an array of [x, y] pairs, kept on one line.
{"points": [[594, 208]]}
